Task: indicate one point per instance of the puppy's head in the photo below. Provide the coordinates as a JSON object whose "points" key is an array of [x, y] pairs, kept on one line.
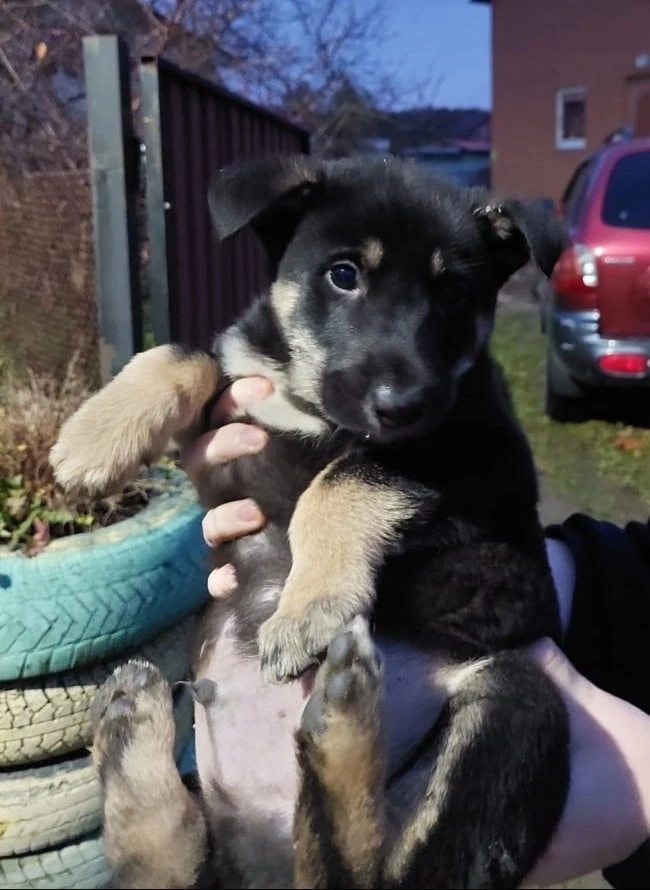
{"points": [[385, 280]]}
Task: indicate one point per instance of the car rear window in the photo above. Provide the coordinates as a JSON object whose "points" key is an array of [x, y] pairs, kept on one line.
{"points": [[627, 198]]}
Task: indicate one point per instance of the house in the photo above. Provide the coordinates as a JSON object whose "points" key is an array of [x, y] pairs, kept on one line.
{"points": [[566, 75], [465, 161]]}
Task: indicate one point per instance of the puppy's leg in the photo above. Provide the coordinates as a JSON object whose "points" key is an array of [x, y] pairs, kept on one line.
{"points": [[339, 820], [154, 831], [158, 395], [480, 806], [340, 532]]}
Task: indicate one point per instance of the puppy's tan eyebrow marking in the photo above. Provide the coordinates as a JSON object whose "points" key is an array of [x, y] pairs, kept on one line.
{"points": [[437, 262], [372, 251]]}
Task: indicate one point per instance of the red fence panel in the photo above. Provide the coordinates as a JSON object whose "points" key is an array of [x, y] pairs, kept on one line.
{"points": [[192, 128]]}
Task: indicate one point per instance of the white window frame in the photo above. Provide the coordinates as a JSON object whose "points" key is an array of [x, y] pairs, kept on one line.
{"points": [[561, 96]]}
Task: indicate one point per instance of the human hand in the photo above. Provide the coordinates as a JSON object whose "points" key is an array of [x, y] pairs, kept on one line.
{"points": [[607, 815], [227, 442]]}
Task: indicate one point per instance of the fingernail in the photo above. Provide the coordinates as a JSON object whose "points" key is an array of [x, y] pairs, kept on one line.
{"points": [[252, 438], [248, 512], [252, 389], [222, 582]]}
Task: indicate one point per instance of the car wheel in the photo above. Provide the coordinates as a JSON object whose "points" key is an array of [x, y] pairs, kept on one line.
{"points": [[566, 400], [565, 409]]}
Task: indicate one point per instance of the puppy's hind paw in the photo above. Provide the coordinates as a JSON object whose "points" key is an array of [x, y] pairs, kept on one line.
{"points": [[132, 719], [349, 684]]}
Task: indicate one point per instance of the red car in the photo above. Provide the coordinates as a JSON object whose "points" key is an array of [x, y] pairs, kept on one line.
{"points": [[596, 311]]}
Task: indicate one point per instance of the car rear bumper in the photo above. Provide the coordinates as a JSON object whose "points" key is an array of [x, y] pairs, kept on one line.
{"points": [[576, 345]]}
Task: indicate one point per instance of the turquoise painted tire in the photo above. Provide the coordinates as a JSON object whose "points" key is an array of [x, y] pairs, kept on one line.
{"points": [[89, 597]]}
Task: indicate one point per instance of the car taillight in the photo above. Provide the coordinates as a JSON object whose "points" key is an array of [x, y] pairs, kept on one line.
{"points": [[624, 364], [575, 277]]}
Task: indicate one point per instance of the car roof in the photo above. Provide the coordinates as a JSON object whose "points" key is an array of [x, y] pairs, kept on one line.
{"points": [[615, 150]]}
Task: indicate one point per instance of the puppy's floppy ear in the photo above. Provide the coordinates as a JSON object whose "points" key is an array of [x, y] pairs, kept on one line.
{"points": [[269, 194], [517, 232]]}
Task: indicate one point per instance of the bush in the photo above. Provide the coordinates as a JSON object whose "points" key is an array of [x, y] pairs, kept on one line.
{"points": [[33, 509]]}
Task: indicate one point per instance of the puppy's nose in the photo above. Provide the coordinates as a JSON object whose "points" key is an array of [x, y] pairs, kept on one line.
{"points": [[397, 407]]}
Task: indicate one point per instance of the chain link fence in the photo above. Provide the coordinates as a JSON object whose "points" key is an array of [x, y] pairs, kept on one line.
{"points": [[48, 312]]}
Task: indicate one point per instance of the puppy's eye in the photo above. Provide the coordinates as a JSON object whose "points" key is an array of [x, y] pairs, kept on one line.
{"points": [[344, 276]]}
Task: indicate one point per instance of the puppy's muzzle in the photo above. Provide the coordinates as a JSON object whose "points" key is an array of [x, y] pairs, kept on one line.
{"points": [[384, 407], [394, 408]]}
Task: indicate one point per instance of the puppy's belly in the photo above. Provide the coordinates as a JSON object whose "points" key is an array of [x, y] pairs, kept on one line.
{"points": [[244, 744], [244, 740]]}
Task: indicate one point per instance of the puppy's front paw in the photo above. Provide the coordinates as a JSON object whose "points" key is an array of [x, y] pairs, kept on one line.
{"points": [[289, 643], [159, 394], [102, 446]]}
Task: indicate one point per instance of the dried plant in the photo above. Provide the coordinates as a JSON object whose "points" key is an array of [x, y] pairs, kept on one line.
{"points": [[33, 509]]}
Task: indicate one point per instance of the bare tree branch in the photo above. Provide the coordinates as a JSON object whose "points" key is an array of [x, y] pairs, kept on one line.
{"points": [[315, 61]]}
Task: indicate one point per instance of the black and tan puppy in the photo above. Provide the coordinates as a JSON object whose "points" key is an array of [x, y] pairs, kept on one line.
{"points": [[397, 487]]}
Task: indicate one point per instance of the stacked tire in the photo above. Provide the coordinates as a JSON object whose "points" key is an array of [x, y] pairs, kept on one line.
{"points": [[68, 617]]}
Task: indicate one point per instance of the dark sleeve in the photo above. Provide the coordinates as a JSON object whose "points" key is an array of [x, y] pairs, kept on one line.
{"points": [[609, 629]]}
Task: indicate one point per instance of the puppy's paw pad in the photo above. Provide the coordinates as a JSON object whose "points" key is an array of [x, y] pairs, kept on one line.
{"points": [[350, 680], [134, 701]]}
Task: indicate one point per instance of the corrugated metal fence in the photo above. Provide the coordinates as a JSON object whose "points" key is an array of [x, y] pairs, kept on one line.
{"points": [[191, 129]]}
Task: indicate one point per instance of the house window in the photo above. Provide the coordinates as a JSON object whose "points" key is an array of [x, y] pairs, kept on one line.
{"points": [[570, 118]]}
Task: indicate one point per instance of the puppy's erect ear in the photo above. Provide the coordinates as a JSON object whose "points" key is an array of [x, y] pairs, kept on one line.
{"points": [[271, 194], [517, 232]]}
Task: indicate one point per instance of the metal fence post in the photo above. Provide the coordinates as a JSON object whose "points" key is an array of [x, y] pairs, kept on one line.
{"points": [[156, 203], [114, 176]]}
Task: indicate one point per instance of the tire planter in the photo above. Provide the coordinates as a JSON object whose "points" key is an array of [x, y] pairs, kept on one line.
{"points": [[78, 866], [50, 805], [45, 806], [91, 596], [50, 716]]}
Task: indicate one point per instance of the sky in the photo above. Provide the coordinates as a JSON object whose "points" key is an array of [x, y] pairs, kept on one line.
{"points": [[444, 42]]}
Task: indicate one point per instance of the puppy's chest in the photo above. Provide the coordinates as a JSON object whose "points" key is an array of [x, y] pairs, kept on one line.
{"points": [[276, 477]]}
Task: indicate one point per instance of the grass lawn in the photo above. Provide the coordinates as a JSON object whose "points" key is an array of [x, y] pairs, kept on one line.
{"points": [[598, 467]]}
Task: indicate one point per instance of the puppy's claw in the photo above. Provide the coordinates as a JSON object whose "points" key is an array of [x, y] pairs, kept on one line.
{"points": [[283, 653]]}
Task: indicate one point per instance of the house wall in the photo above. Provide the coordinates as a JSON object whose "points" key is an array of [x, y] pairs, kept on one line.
{"points": [[540, 46]]}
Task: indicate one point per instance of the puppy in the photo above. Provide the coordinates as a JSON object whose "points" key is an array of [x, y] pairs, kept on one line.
{"points": [[398, 488]]}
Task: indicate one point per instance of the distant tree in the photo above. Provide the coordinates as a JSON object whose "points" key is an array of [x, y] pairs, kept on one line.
{"points": [[318, 62]]}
